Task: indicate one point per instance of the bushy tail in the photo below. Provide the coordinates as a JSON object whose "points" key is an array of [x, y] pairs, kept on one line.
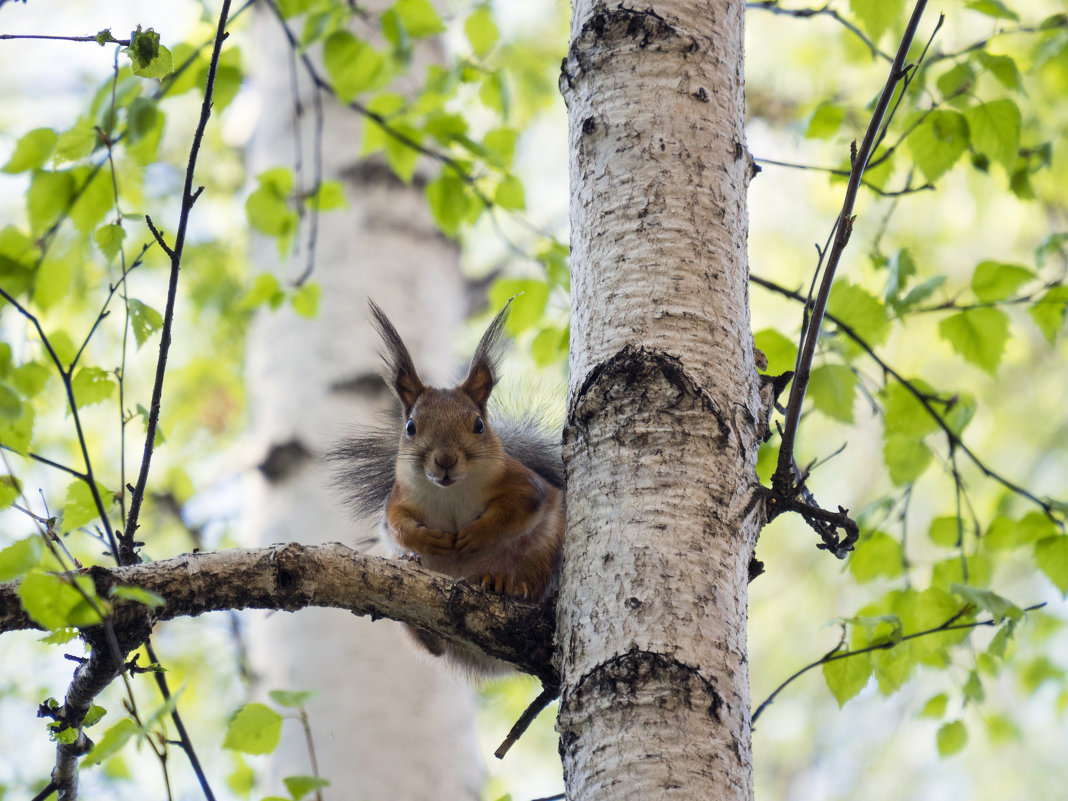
{"points": [[365, 467]]}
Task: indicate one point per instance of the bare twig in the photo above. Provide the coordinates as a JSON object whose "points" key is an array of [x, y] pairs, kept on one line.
{"points": [[189, 196], [545, 697], [781, 481], [826, 10]]}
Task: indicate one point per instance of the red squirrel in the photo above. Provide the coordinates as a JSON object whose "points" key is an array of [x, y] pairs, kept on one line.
{"points": [[463, 498]]}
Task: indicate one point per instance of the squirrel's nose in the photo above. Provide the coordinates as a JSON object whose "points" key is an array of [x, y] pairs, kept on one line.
{"points": [[446, 461]]}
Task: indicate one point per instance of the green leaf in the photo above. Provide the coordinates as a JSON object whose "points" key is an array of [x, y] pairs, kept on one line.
{"points": [[903, 414], [935, 706], [960, 412], [92, 385], [77, 142], [481, 31], [10, 402], [900, 269], [16, 434], [306, 300], [877, 16], [995, 130], [938, 142], [353, 64], [493, 93], [52, 281], [79, 508], [10, 489], [402, 155], [109, 239], [1051, 555], [832, 388], [150, 59], [254, 729], [144, 320], [945, 531], [1003, 68], [329, 196], [825, 121], [509, 194], [96, 197], [300, 786], [20, 557], [292, 698], [31, 151], [530, 297], [956, 81], [30, 378], [449, 201], [993, 281], [847, 676], [94, 715], [267, 208], [500, 146], [993, 603], [550, 346], [49, 195], [141, 596], [979, 335], [921, 292], [54, 603], [112, 741], [419, 18], [952, 737], [386, 105], [1049, 311], [993, 8], [906, 458], [879, 554], [264, 289], [242, 779], [780, 351], [860, 310]]}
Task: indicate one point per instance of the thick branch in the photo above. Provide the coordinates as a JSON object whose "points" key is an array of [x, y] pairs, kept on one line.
{"points": [[291, 577]]}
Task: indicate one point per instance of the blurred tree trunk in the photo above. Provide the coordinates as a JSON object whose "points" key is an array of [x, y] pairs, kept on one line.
{"points": [[381, 707], [661, 440]]}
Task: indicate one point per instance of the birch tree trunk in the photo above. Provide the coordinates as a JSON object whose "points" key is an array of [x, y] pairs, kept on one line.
{"points": [[661, 439], [381, 706]]}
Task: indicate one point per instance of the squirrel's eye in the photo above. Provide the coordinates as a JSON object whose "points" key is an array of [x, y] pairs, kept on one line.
{"points": [[479, 425], [409, 428]]}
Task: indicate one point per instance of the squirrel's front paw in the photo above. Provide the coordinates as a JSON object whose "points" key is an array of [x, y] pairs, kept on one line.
{"points": [[409, 556], [434, 542], [503, 584]]}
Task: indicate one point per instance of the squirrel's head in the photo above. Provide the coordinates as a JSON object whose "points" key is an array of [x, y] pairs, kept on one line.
{"points": [[446, 434]]}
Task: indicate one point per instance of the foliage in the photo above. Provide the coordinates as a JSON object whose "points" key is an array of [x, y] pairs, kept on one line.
{"points": [[941, 317]]}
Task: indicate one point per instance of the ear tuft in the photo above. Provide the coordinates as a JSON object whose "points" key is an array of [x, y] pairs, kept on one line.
{"points": [[400, 369], [482, 376]]}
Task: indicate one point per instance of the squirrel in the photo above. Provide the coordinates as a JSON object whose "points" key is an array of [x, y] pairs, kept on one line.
{"points": [[456, 494]]}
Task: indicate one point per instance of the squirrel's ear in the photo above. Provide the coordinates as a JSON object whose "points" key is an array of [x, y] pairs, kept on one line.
{"points": [[482, 376], [402, 375]]}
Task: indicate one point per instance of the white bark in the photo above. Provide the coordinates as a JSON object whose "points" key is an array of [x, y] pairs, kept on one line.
{"points": [[381, 705], [661, 438]]}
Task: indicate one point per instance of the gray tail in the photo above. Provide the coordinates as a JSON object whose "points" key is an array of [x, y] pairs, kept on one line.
{"points": [[364, 468]]}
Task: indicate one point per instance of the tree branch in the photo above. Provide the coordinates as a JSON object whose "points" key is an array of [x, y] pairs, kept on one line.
{"points": [[292, 576], [952, 437], [836, 654]]}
